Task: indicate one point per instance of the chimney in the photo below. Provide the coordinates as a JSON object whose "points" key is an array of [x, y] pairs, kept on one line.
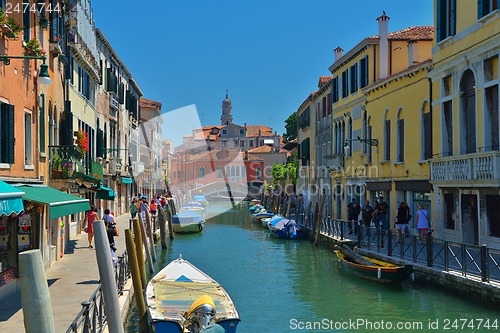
{"points": [[338, 53], [383, 23], [412, 52]]}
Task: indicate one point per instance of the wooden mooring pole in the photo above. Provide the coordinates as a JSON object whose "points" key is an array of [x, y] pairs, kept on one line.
{"points": [[320, 220], [150, 235], [145, 242], [170, 216], [163, 227], [139, 251]]}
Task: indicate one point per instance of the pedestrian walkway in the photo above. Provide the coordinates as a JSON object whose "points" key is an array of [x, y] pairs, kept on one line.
{"points": [[72, 280]]}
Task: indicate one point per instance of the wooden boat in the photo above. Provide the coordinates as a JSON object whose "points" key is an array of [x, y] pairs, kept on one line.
{"points": [[262, 214], [188, 221], [183, 299], [375, 270]]}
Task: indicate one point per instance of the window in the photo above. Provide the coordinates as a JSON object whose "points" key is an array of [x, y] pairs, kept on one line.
{"points": [[387, 140], [242, 143], [56, 22], [6, 133], [493, 213], [491, 123], [201, 173], [447, 132], [224, 132], [484, 7], [354, 78], [401, 138], [318, 109], [445, 16], [242, 131], [28, 139], [335, 89], [363, 75], [224, 143], [85, 85], [468, 105], [258, 173], [243, 171], [345, 87], [250, 143]]}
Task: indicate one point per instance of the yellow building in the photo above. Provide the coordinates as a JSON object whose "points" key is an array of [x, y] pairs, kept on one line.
{"points": [[465, 171], [367, 97]]}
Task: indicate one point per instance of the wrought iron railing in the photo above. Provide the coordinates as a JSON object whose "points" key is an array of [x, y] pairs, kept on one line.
{"points": [[467, 259], [92, 317]]}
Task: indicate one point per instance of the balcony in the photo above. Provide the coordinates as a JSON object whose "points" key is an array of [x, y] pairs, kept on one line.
{"points": [[66, 162], [479, 169]]}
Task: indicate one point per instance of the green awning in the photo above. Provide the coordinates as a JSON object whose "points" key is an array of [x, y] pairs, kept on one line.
{"points": [[86, 178], [60, 203], [11, 200], [126, 180], [105, 194]]}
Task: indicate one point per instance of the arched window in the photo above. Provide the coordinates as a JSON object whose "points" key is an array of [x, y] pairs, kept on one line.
{"points": [[243, 171], [201, 173], [237, 171], [400, 135], [468, 112], [258, 173], [219, 173], [426, 132]]}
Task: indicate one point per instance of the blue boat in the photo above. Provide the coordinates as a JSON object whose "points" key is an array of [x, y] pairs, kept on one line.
{"points": [[284, 228], [262, 214], [201, 199]]}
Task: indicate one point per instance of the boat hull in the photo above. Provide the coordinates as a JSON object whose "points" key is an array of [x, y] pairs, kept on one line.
{"points": [[176, 290], [188, 221], [381, 272]]}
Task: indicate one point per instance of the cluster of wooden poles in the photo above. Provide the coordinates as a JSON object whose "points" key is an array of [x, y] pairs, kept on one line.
{"points": [[137, 246]]}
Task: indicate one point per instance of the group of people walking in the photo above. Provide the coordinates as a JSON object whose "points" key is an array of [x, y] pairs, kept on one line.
{"points": [[378, 215], [109, 222]]}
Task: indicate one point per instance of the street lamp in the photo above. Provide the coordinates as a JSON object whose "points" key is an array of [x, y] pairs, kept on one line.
{"points": [[43, 76], [371, 142]]}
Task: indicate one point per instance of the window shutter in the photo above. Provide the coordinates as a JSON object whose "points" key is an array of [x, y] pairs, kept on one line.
{"points": [[453, 12], [401, 137], [42, 123], [100, 143], [66, 130], [439, 20], [427, 135], [121, 93], [10, 133], [387, 140]]}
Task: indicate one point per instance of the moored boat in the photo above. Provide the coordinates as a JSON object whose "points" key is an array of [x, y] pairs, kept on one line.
{"points": [[375, 270], [258, 216], [284, 228], [188, 221], [265, 221], [201, 199], [183, 299]]}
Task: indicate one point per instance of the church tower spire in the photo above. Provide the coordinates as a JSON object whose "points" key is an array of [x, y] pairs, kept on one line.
{"points": [[227, 116]]}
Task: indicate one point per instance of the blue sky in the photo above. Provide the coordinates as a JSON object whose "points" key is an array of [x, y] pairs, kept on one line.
{"points": [[268, 54]]}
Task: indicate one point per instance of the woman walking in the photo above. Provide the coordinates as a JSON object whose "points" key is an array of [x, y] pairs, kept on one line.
{"points": [[423, 223], [89, 227], [401, 219]]}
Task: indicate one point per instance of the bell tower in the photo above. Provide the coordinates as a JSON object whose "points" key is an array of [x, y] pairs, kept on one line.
{"points": [[227, 116]]}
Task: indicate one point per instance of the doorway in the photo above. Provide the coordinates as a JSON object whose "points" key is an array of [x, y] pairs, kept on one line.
{"points": [[469, 219]]}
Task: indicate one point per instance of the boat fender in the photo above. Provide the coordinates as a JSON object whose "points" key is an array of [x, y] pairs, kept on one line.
{"points": [[379, 273], [412, 275], [200, 226]]}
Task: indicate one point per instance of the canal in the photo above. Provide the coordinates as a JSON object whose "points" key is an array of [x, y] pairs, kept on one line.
{"points": [[284, 286]]}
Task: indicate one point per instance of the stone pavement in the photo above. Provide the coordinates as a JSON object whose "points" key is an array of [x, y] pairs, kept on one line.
{"points": [[72, 280]]}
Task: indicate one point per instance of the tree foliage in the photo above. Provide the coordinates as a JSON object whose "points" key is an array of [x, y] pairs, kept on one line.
{"points": [[290, 128]]}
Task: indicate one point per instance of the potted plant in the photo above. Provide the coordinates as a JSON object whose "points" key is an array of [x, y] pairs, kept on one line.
{"points": [[82, 142], [33, 48], [67, 168], [9, 26], [56, 167]]}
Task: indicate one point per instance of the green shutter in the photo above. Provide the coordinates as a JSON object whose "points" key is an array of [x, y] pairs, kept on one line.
{"points": [[452, 17], [438, 20], [42, 123], [100, 143], [10, 133]]}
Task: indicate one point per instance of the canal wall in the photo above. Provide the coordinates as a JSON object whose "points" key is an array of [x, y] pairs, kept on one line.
{"points": [[468, 287]]}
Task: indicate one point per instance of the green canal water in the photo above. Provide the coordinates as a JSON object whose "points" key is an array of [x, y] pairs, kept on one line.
{"points": [[282, 286]]}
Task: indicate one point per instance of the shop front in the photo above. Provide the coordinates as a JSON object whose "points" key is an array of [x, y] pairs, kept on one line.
{"points": [[14, 231]]}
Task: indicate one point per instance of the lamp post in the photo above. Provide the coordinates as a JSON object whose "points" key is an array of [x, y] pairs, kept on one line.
{"points": [[371, 142], [43, 76]]}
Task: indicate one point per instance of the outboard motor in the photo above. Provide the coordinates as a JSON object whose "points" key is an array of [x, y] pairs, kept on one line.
{"points": [[200, 314]]}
